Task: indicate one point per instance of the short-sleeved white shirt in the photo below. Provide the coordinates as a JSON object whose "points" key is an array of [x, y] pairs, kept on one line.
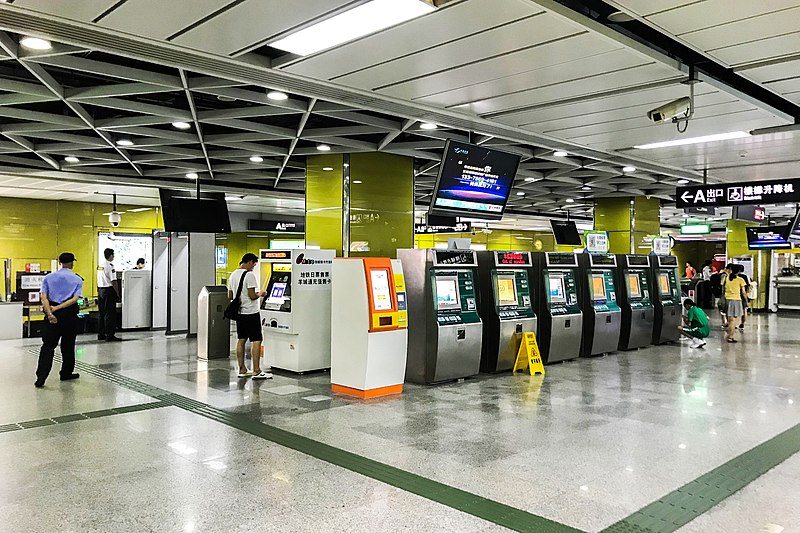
{"points": [[249, 306]]}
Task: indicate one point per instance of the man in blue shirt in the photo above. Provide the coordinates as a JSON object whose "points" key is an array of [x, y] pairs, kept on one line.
{"points": [[60, 293]]}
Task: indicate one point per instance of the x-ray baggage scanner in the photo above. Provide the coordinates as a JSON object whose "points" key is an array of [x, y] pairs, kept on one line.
{"points": [[603, 317], [633, 297], [667, 304], [296, 311], [559, 312]]}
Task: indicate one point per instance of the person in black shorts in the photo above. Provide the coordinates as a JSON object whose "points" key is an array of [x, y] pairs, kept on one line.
{"points": [[248, 321]]}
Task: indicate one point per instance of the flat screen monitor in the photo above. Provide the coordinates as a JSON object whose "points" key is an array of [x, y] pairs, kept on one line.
{"points": [[278, 294], [598, 288], [381, 293], [447, 294], [792, 233], [762, 237], [634, 288], [566, 232], [473, 181], [663, 285], [506, 290], [184, 212], [557, 295]]}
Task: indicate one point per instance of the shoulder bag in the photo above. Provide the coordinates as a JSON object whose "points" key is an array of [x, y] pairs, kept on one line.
{"points": [[232, 311]]}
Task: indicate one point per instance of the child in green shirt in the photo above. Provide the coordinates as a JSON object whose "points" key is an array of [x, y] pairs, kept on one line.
{"points": [[696, 324]]}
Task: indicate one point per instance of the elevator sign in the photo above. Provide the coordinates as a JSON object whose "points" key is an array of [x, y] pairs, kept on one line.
{"points": [[759, 192]]}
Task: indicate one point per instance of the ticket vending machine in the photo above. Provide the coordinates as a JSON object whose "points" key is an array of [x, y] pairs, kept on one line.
{"points": [[666, 298], [445, 331], [296, 311], [598, 297], [559, 311], [633, 297], [369, 328], [506, 306]]}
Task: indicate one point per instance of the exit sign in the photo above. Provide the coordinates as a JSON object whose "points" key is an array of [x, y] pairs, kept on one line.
{"points": [[695, 229]]}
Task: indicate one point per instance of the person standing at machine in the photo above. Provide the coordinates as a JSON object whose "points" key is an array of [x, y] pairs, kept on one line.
{"points": [[690, 270], [107, 298], [707, 270], [139, 264], [734, 290], [695, 324], [248, 322], [59, 295]]}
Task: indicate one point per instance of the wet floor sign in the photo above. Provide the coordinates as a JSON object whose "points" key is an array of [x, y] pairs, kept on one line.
{"points": [[528, 355]]}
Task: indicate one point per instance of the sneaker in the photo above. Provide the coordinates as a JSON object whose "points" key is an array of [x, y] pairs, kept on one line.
{"points": [[39, 384], [263, 375], [245, 374], [697, 343]]}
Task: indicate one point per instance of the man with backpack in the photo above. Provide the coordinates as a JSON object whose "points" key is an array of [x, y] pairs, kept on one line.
{"points": [[244, 295]]}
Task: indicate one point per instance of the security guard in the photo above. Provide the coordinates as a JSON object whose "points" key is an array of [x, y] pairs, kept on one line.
{"points": [[107, 298], [59, 295]]}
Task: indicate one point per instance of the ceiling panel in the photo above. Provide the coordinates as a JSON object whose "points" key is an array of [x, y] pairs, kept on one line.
{"points": [[451, 23], [748, 30], [778, 71], [83, 10], [714, 13], [771, 47], [149, 18]]}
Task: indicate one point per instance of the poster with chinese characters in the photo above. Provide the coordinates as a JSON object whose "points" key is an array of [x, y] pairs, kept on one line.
{"points": [[758, 192], [312, 272]]}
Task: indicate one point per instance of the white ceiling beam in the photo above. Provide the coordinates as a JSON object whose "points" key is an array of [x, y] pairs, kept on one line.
{"points": [[172, 135], [253, 148], [28, 145], [362, 118], [56, 49], [258, 97], [293, 145], [169, 149], [392, 135], [350, 143], [33, 127], [82, 64], [418, 145], [211, 82], [198, 128], [246, 125], [19, 98], [49, 118], [243, 137], [21, 161], [245, 112], [100, 156], [155, 157], [340, 130], [23, 87], [120, 104], [115, 90]]}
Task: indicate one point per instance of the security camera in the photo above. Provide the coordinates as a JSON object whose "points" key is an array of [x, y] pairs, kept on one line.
{"points": [[114, 218], [681, 106]]}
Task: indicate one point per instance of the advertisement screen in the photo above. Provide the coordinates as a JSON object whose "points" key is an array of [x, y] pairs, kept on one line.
{"points": [[663, 284], [557, 290], [381, 294], [447, 294], [767, 237], [278, 294], [474, 180], [506, 290], [598, 287], [634, 289]]}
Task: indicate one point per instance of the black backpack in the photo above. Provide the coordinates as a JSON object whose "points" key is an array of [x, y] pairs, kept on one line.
{"points": [[232, 311]]}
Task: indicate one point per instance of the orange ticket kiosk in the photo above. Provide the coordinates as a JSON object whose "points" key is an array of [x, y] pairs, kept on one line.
{"points": [[369, 325]]}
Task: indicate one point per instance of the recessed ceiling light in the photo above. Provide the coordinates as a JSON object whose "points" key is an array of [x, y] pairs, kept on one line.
{"points": [[71, 159], [124, 142], [683, 182], [192, 175], [586, 188], [356, 181], [560, 153], [362, 20], [181, 125], [428, 126], [520, 194], [628, 168], [530, 179], [696, 140], [620, 16], [323, 148], [327, 168], [570, 200], [34, 43], [256, 159], [277, 95]]}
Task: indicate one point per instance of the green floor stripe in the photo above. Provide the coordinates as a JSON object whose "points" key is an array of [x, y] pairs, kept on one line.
{"points": [[56, 420]]}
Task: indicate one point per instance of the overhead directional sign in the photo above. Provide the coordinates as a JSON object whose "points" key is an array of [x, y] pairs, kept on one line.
{"points": [[752, 192]]}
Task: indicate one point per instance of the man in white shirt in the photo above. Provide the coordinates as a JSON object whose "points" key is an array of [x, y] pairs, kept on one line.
{"points": [[248, 322], [107, 298]]}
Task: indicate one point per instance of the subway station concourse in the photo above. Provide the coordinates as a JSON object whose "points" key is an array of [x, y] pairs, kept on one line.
{"points": [[496, 265]]}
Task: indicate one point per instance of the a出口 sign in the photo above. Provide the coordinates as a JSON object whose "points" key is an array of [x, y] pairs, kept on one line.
{"points": [[759, 192]]}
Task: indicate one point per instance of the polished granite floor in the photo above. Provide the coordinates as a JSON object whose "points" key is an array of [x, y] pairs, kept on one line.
{"points": [[591, 443]]}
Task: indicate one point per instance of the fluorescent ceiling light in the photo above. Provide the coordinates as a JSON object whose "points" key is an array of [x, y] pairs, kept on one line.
{"points": [[520, 194], [327, 168], [560, 153], [530, 179], [570, 200], [71, 159], [124, 142], [277, 95], [586, 188], [192, 175], [181, 125], [696, 140], [352, 24], [34, 43], [323, 148], [356, 181], [428, 126], [628, 168], [139, 209], [256, 158]]}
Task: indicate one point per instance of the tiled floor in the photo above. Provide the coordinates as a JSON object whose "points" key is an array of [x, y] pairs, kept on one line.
{"points": [[587, 445]]}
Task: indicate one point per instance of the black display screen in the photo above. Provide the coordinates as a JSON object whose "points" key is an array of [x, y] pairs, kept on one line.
{"points": [[566, 232], [603, 260], [638, 260], [474, 181], [792, 233], [561, 259], [454, 257], [183, 212]]}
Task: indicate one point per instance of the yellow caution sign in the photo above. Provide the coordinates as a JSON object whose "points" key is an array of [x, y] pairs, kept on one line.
{"points": [[529, 356]]}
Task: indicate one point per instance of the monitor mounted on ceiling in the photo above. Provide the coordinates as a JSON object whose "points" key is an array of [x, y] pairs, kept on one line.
{"points": [[792, 233], [183, 211], [766, 237], [566, 232], [473, 181]]}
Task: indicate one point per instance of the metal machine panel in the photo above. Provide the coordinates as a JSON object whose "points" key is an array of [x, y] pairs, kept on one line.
{"points": [[455, 350], [137, 294], [510, 337], [565, 339], [606, 332], [213, 330]]}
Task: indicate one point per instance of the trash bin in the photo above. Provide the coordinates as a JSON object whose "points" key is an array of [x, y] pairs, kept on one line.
{"points": [[213, 330]]}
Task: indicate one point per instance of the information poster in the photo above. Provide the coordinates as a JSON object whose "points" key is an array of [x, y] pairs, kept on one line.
{"points": [[661, 245], [597, 242], [127, 248]]}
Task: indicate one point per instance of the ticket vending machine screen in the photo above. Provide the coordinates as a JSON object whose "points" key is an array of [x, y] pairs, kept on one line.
{"points": [[447, 293], [634, 288], [506, 290], [557, 295], [279, 290], [278, 294], [599, 288], [663, 284], [381, 293]]}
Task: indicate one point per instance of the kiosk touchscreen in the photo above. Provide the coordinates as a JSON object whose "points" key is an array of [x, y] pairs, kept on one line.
{"points": [[296, 310], [603, 317], [506, 306], [369, 329], [558, 309], [666, 299], [444, 327], [635, 300]]}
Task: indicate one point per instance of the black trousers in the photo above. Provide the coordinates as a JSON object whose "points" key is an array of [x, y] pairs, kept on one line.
{"points": [[65, 330], [107, 302]]}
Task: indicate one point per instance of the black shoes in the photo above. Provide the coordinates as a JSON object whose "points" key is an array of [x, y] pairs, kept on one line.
{"points": [[113, 339], [39, 384], [69, 377], [101, 337]]}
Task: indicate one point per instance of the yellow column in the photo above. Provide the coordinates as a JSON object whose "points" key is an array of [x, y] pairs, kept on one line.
{"points": [[628, 221]]}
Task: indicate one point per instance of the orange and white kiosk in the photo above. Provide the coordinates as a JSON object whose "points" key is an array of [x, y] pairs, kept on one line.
{"points": [[369, 327]]}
